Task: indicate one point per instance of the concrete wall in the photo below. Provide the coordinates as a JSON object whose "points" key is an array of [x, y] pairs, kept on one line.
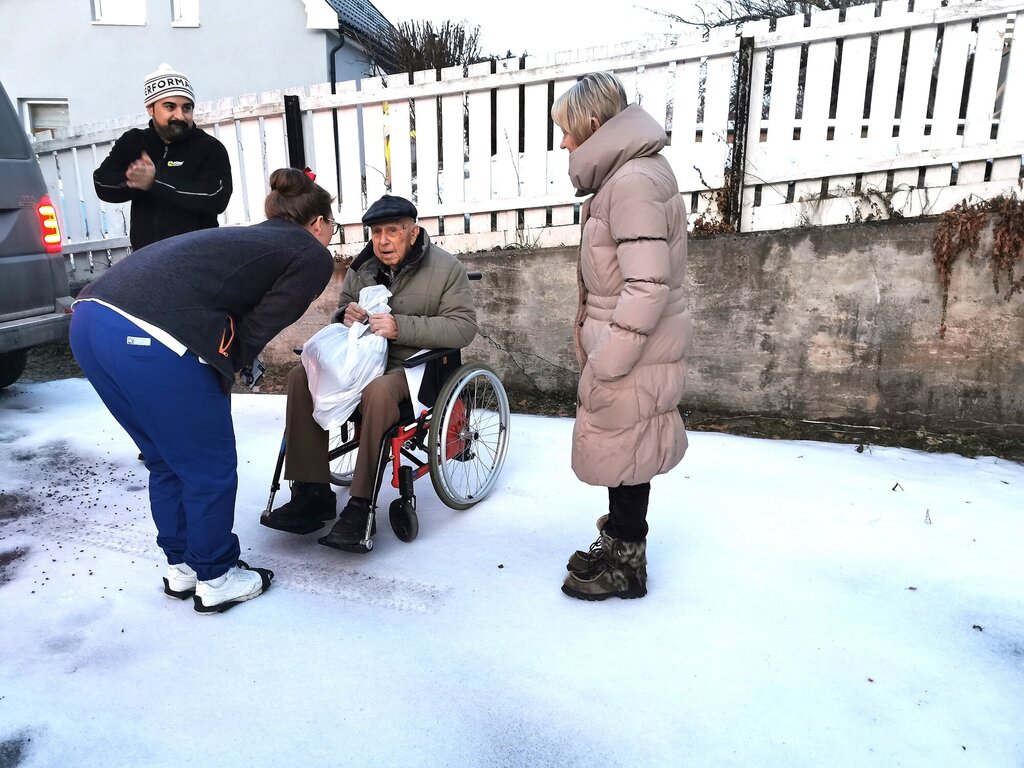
{"points": [[54, 51], [842, 323], [833, 323]]}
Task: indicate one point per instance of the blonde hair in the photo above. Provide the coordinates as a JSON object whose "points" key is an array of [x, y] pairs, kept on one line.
{"points": [[597, 94]]}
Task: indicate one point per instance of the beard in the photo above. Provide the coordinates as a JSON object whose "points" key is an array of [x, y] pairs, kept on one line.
{"points": [[177, 128]]}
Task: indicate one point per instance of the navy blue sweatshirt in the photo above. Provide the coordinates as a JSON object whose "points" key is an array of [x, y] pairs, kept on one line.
{"points": [[223, 293]]}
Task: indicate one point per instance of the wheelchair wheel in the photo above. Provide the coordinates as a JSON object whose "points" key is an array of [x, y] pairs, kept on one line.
{"points": [[468, 436], [342, 462], [404, 522]]}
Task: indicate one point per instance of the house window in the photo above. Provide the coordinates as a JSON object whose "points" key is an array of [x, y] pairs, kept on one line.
{"points": [[44, 116], [184, 13], [124, 12]]}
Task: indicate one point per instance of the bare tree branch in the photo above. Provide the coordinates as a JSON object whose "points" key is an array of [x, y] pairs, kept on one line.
{"points": [[712, 15], [414, 46]]}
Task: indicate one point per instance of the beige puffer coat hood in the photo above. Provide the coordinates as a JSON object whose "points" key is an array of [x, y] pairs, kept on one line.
{"points": [[633, 326]]}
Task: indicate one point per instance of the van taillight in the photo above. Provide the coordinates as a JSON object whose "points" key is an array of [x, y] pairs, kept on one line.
{"points": [[48, 224]]}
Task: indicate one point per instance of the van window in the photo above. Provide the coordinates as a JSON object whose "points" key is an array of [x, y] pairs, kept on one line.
{"points": [[13, 141]]}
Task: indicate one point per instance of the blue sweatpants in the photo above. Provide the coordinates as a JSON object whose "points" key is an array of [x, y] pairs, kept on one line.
{"points": [[176, 412]]}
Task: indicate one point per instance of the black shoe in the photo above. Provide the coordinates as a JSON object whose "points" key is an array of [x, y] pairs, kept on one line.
{"points": [[311, 505], [349, 533]]}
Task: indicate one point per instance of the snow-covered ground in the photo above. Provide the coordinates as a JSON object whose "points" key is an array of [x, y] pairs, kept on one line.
{"points": [[809, 606]]}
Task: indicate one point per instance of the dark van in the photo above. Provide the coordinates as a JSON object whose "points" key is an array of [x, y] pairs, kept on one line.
{"points": [[34, 295]]}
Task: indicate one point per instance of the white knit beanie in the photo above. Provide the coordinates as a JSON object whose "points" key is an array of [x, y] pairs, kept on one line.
{"points": [[166, 82]]}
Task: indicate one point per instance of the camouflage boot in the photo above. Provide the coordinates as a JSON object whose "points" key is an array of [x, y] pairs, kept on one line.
{"points": [[580, 560], [621, 571]]}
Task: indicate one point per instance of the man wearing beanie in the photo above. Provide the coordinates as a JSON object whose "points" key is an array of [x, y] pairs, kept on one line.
{"points": [[177, 177], [431, 307]]}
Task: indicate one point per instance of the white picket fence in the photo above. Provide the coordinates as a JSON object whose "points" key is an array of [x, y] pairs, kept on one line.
{"points": [[829, 138]]}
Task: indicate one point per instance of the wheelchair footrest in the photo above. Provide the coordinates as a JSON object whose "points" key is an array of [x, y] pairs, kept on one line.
{"points": [[360, 547], [337, 539], [301, 528]]}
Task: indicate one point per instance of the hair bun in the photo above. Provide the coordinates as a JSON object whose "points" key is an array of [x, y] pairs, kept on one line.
{"points": [[290, 182], [296, 197]]}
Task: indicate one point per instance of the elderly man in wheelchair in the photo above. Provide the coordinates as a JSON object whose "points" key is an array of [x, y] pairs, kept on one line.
{"points": [[431, 308]]}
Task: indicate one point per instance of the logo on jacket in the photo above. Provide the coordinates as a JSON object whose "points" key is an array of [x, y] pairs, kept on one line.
{"points": [[175, 163]]}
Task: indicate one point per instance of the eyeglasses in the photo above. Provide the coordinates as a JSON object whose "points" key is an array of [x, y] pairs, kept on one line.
{"points": [[335, 228]]}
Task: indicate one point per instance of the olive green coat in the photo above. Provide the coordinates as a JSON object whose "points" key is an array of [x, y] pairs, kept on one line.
{"points": [[432, 299]]}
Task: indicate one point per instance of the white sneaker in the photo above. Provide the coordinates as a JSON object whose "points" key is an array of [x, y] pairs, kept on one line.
{"points": [[180, 581], [236, 586]]}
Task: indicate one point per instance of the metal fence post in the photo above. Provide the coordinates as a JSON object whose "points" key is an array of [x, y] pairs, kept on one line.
{"points": [[744, 72], [293, 127]]}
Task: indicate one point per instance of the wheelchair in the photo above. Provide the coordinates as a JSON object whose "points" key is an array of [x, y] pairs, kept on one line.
{"points": [[457, 433]]}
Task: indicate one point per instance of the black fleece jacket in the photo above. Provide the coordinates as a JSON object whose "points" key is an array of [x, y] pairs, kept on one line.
{"points": [[192, 185], [223, 293]]}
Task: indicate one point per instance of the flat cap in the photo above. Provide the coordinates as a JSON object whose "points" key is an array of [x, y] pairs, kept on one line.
{"points": [[389, 208]]}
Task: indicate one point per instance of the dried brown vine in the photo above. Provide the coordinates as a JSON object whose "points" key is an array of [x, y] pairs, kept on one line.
{"points": [[715, 220], [958, 230], [1008, 244]]}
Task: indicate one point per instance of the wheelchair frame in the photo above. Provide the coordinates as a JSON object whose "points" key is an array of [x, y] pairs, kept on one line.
{"points": [[465, 446]]}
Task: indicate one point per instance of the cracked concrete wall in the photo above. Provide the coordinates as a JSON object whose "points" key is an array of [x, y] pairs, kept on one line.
{"points": [[832, 323], [841, 323]]}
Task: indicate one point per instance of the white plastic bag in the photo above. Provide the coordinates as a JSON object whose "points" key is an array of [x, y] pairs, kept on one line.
{"points": [[340, 361]]}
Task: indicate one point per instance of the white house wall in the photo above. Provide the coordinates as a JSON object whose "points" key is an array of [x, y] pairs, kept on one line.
{"points": [[240, 46]]}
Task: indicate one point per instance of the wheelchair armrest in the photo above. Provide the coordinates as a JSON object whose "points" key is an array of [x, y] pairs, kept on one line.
{"points": [[437, 365], [426, 356]]}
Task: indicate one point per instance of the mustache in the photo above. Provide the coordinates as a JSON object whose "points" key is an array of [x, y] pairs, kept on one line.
{"points": [[178, 123]]}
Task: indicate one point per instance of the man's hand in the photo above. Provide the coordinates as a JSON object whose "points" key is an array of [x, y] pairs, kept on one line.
{"points": [[384, 324], [353, 314], [381, 324], [141, 173]]}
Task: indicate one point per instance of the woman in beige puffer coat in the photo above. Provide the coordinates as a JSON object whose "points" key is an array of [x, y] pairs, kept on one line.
{"points": [[633, 324]]}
